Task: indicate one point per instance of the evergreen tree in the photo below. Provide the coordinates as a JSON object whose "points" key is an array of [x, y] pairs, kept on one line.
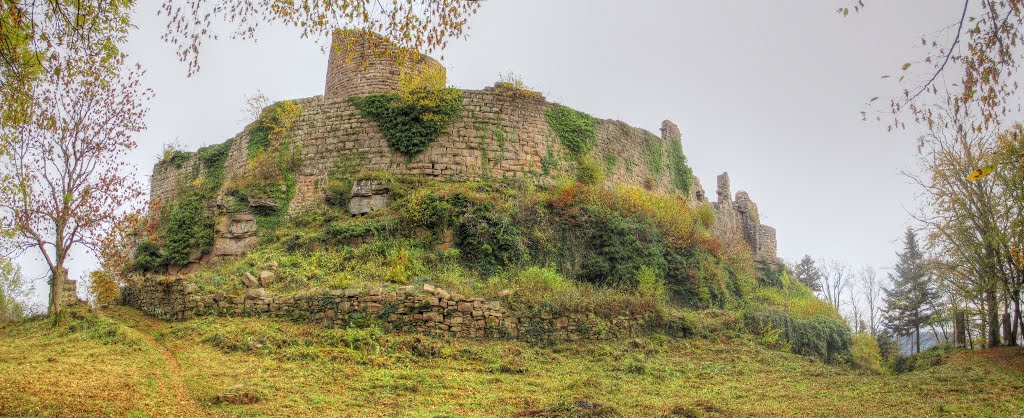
{"points": [[808, 274], [909, 303]]}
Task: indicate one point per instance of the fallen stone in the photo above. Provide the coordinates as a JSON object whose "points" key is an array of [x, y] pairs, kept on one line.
{"points": [[266, 278], [250, 281]]}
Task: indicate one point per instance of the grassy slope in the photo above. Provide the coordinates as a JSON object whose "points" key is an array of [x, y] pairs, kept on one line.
{"points": [[303, 370]]}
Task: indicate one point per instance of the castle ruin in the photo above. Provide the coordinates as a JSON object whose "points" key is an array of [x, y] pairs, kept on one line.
{"points": [[497, 135]]}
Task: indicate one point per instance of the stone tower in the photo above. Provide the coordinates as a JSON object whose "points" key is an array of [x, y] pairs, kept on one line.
{"points": [[363, 63]]}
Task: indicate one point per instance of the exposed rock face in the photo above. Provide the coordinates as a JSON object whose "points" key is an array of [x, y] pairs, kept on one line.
{"points": [[368, 196], [235, 234]]}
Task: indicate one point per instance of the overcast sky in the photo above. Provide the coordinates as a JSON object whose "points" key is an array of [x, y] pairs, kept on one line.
{"points": [[768, 91]]}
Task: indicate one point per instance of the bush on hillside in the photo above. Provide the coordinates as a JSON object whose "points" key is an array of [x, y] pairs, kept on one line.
{"points": [[864, 353], [824, 338]]}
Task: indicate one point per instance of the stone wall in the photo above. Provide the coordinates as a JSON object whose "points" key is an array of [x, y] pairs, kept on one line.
{"points": [[363, 63], [500, 134], [427, 310], [497, 136], [738, 219]]}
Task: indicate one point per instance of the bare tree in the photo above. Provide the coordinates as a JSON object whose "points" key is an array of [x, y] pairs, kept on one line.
{"points": [[835, 280], [871, 289]]}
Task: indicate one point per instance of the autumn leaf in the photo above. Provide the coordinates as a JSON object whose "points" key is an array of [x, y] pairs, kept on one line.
{"points": [[906, 66], [981, 173]]}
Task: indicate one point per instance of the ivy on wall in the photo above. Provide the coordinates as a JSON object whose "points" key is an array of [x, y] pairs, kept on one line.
{"points": [[269, 183], [187, 226], [576, 130], [411, 121], [682, 174], [654, 153]]}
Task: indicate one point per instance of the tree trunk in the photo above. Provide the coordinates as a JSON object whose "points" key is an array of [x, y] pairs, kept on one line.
{"points": [[1006, 330], [56, 290], [1015, 330], [959, 331], [993, 318], [917, 338]]}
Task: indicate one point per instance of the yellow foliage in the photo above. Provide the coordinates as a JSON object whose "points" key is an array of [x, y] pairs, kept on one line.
{"points": [[865, 354], [673, 215], [103, 286], [511, 85], [794, 299]]}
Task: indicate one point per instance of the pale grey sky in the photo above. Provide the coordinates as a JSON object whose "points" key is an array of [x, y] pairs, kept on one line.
{"points": [[768, 91]]}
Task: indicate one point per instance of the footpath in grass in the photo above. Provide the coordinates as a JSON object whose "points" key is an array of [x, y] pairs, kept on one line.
{"points": [[260, 367]]}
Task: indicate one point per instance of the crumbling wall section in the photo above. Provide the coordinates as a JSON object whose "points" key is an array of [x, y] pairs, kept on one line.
{"points": [[427, 310], [739, 219]]}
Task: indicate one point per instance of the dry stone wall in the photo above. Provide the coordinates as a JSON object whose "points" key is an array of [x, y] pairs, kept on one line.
{"points": [[428, 310]]}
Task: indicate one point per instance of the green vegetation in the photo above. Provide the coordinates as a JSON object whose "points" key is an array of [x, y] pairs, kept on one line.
{"points": [[304, 370], [186, 226], [682, 174], [577, 130], [654, 153], [273, 121], [410, 125]]}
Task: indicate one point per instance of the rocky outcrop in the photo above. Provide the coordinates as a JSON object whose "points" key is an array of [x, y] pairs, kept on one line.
{"points": [[368, 196], [235, 234]]}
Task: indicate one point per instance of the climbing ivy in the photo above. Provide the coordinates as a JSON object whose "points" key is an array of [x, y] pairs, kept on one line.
{"points": [[682, 174], [577, 130], [212, 159], [412, 121], [655, 155], [274, 120]]}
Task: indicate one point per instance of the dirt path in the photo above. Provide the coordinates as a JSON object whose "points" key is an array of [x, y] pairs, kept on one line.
{"points": [[189, 406]]}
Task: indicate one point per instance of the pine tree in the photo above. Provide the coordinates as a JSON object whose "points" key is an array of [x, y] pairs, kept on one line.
{"points": [[909, 303], [808, 274]]}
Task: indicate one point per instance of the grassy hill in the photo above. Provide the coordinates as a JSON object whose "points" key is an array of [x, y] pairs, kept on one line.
{"points": [[119, 362]]}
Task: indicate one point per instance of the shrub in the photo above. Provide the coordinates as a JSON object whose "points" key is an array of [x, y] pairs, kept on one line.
{"points": [[273, 122], [672, 215], [424, 209], [650, 284], [864, 353], [589, 171], [412, 121], [148, 257], [698, 280], [187, 228], [824, 338], [577, 130], [489, 240], [611, 248]]}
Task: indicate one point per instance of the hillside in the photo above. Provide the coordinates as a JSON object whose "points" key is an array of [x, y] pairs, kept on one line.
{"points": [[119, 362]]}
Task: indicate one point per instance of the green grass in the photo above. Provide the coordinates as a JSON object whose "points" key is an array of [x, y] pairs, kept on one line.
{"points": [[302, 370]]}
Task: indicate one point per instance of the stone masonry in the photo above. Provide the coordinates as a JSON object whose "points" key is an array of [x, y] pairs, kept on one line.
{"points": [[499, 135], [427, 310]]}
